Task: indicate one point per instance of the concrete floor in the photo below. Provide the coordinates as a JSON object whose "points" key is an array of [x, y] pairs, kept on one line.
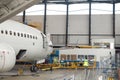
{"points": [[59, 74]]}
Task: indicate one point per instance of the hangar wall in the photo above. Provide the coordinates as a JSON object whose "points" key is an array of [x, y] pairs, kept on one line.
{"points": [[78, 27]]}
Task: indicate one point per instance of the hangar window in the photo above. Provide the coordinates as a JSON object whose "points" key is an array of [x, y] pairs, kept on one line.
{"points": [[2, 31], [18, 34], [21, 34], [14, 33], [68, 57], [6, 32], [10, 32]]}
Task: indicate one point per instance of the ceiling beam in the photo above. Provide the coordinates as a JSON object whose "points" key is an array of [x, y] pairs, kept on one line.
{"points": [[8, 10]]}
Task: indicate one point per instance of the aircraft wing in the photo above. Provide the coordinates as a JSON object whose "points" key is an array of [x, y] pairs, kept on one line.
{"points": [[9, 8]]}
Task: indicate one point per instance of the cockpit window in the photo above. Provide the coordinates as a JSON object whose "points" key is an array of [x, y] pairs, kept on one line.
{"points": [[50, 45]]}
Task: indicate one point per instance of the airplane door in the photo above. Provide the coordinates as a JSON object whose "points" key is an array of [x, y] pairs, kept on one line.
{"points": [[2, 58], [44, 40]]}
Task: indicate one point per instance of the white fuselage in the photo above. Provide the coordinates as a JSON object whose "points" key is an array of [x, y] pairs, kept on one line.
{"points": [[23, 37]]}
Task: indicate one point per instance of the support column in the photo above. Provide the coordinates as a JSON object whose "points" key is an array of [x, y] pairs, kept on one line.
{"points": [[67, 18], [113, 19], [89, 22], [24, 17], [45, 14]]}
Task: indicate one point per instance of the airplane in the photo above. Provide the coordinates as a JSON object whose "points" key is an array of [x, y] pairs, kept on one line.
{"points": [[21, 42]]}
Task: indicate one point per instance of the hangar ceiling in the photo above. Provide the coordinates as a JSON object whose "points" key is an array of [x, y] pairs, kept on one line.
{"points": [[9, 8]]}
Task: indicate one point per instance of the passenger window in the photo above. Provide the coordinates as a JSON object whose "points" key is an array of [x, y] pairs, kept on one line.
{"points": [[18, 34], [36, 37], [10, 32], [14, 33], [25, 35], [21, 34], [2, 31], [6, 32], [31, 36]]}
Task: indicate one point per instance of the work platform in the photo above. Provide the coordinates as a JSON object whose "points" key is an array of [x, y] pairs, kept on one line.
{"points": [[65, 65]]}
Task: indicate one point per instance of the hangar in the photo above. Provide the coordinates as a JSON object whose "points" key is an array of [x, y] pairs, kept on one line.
{"points": [[74, 39]]}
